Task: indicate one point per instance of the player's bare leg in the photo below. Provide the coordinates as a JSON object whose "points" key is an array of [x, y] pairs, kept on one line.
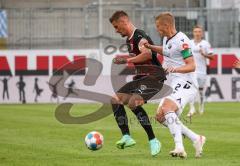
{"points": [[201, 104], [200, 99], [166, 114], [192, 109]]}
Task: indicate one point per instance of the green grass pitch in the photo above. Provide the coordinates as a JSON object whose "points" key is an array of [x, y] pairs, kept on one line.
{"points": [[31, 136]]}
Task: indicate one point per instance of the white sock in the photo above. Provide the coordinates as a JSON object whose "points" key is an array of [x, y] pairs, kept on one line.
{"points": [[174, 126], [189, 133], [201, 100], [191, 105], [201, 96]]}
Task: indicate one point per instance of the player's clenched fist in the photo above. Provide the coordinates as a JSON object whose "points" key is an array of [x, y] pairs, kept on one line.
{"points": [[147, 45]]}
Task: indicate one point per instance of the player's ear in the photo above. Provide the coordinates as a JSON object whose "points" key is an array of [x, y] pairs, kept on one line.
{"points": [[167, 25]]}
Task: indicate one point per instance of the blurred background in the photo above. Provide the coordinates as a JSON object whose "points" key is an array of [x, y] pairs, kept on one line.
{"points": [[74, 24]]}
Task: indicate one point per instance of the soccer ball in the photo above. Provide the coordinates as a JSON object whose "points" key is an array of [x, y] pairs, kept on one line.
{"points": [[94, 140]]}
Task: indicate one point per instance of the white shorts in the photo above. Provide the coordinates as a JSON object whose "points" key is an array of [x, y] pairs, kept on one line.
{"points": [[183, 93], [201, 79]]}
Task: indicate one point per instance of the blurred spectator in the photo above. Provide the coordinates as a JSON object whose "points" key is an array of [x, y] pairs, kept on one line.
{"points": [[21, 87], [5, 87]]}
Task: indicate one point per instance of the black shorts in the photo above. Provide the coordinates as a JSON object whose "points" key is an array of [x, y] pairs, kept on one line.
{"points": [[145, 86]]}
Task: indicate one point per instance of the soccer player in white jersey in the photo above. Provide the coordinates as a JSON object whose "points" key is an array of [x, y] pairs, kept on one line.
{"points": [[179, 64], [201, 50]]}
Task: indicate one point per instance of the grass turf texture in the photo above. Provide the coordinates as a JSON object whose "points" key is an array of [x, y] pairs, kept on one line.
{"points": [[30, 135]]}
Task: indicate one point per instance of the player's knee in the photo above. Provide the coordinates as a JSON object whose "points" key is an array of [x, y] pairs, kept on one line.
{"points": [[132, 105], [135, 101], [115, 100], [159, 116], [168, 106], [163, 110]]}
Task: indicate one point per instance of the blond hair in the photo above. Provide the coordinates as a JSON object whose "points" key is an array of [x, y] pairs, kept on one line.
{"points": [[198, 26], [166, 17]]}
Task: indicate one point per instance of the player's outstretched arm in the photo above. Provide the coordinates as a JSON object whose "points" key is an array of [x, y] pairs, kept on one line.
{"points": [[154, 48], [145, 55]]}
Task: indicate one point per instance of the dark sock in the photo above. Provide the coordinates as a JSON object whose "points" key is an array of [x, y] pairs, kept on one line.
{"points": [[144, 121], [121, 118]]}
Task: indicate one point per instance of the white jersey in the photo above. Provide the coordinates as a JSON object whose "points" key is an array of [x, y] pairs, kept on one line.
{"points": [[175, 50], [201, 61]]}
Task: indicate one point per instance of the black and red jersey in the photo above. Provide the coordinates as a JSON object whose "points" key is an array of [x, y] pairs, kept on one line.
{"points": [[133, 48]]}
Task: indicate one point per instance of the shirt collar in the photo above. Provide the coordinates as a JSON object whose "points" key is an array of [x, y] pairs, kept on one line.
{"points": [[132, 34], [168, 39], [196, 43]]}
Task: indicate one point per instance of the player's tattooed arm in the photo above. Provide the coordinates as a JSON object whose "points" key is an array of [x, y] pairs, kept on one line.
{"points": [[146, 54], [120, 60]]}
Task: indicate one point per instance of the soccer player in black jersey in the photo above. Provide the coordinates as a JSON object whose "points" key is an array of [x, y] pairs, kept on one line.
{"points": [[140, 55]]}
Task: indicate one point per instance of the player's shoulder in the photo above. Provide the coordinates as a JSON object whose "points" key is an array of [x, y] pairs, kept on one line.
{"points": [[205, 42], [182, 37], [140, 33], [191, 41]]}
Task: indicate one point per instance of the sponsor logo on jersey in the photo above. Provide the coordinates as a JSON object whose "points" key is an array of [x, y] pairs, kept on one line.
{"points": [[170, 46], [143, 87], [185, 46]]}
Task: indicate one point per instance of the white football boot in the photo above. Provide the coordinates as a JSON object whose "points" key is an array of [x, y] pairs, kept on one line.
{"points": [[191, 112], [198, 145], [178, 153]]}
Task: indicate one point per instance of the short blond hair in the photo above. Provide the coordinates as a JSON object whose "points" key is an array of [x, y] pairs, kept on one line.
{"points": [[198, 27], [166, 17]]}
